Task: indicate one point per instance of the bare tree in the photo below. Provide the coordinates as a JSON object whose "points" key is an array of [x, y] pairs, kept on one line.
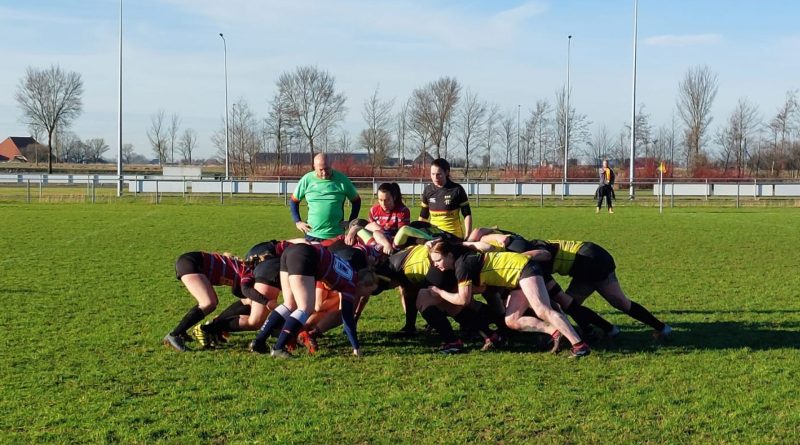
{"points": [[401, 121], [508, 137], [696, 93], [344, 143], [157, 135], [492, 128], [601, 145], [733, 137], [432, 109], [577, 130], [244, 140], [539, 126], [49, 99], [279, 126], [376, 139], [781, 128], [187, 145], [174, 129], [471, 125], [128, 153], [311, 101], [70, 147], [94, 149]]}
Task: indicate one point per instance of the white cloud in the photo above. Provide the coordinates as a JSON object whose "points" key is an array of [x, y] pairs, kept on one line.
{"points": [[456, 27], [684, 40]]}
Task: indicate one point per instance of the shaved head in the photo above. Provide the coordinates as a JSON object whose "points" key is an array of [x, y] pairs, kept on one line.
{"points": [[321, 167]]}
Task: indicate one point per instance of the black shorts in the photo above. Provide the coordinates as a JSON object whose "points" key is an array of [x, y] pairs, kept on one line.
{"points": [[592, 263], [530, 269], [518, 244], [443, 280], [268, 272], [300, 259], [189, 263]]}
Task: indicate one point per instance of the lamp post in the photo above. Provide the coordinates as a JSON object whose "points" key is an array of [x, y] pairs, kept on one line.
{"points": [[225, 52], [519, 156], [633, 97], [566, 119], [119, 110]]}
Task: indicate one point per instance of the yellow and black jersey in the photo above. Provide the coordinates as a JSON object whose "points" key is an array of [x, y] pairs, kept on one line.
{"points": [[500, 269], [564, 257], [412, 264], [441, 206], [582, 260]]}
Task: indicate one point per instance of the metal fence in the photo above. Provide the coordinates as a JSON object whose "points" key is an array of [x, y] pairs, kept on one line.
{"points": [[102, 188]]}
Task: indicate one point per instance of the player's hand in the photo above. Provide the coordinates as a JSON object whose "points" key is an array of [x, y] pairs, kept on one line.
{"points": [[302, 226], [434, 290], [387, 249], [350, 238], [357, 352]]}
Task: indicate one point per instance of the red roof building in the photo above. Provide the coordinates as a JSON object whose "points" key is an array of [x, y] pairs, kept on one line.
{"points": [[10, 149]]}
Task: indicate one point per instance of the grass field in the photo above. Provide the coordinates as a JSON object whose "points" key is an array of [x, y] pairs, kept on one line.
{"points": [[89, 290]]}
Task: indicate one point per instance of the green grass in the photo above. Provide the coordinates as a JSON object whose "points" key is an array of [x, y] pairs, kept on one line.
{"points": [[89, 290]]}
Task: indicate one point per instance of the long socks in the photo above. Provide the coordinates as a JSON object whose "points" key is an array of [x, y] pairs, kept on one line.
{"points": [[192, 317]]}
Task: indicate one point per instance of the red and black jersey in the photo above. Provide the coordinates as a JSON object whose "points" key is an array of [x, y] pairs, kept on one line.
{"points": [[223, 270], [335, 272], [391, 221]]}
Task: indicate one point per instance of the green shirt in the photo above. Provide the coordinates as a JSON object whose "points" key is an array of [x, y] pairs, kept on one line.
{"points": [[325, 198]]}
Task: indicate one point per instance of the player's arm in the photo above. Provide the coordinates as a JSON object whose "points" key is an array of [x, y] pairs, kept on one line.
{"points": [[466, 211], [294, 206], [462, 297], [424, 211]]}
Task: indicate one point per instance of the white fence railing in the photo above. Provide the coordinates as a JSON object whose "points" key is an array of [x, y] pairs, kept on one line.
{"points": [[282, 187]]}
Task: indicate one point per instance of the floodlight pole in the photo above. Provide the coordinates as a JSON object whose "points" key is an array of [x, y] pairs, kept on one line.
{"points": [[632, 192], [119, 110], [566, 120], [225, 50]]}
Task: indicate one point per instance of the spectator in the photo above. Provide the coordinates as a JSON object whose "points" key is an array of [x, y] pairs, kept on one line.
{"points": [[606, 189]]}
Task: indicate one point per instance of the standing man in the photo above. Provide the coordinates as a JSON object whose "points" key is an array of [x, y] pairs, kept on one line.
{"points": [[325, 191], [606, 189], [443, 200]]}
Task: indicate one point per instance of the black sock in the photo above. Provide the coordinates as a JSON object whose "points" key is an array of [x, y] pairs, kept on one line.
{"points": [[491, 315], [192, 317], [469, 319], [438, 320], [410, 299], [228, 324], [586, 317], [236, 308], [640, 313]]}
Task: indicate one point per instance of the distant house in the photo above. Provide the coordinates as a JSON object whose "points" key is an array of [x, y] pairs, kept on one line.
{"points": [[11, 148]]}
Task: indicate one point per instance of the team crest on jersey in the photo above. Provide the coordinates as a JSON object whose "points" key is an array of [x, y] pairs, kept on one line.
{"points": [[433, 200]]}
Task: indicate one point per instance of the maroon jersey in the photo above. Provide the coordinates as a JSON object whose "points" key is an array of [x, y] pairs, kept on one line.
{"points": [[226, 271], [335, 272], [390, 222]]}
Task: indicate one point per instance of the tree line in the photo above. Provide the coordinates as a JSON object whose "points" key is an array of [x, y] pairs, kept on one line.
{"points": [[441, 118]]}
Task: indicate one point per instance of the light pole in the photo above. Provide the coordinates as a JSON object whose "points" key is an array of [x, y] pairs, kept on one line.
{"points": [[519, 158], [225, 50], [566, 118], [119, 110], [633, 97]]}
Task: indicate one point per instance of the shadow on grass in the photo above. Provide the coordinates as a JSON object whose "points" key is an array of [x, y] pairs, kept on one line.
{"points": [[712, 335], [759, 336]]}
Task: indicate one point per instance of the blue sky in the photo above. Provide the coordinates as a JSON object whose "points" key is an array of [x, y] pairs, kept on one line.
{"points": [[508, 52]]}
